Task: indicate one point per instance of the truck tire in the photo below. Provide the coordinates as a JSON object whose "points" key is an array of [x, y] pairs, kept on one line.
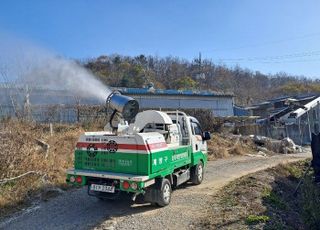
{"points": [[164, 193], [197, 173]]}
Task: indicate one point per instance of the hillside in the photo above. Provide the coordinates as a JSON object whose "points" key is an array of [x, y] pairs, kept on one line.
{"points": [[175, 73]]}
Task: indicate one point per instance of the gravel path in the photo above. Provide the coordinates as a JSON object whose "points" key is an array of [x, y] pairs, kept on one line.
{"points": [[76, 210]]}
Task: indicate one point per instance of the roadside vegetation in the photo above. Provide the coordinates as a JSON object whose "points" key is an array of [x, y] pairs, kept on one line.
{"points": [[37, 159], [266, 200]]}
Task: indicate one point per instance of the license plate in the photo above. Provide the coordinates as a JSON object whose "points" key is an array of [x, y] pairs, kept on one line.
{"points": [[102, 188]]}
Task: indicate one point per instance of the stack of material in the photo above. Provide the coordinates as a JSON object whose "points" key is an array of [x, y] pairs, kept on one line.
{"points": [[288, 146], [226, 145], [285, 145]]}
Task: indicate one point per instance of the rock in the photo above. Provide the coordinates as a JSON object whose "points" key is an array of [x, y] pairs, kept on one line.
{"points": [[287, 142], [260, 140], [44, 146], [289, 146], [274, 145], [260, 153], [262, 149]]}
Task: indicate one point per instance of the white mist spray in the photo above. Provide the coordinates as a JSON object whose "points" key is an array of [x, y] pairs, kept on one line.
{"points": [[28, 64]]}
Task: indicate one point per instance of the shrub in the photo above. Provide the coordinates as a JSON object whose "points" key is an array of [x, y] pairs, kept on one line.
{"points": [[254, 219]]}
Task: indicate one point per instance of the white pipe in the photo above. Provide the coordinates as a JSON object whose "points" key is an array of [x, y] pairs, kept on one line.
{"points": [[299, 112]]}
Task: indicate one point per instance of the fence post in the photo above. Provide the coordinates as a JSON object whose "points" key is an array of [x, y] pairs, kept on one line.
{"points": [[309, 127], [51, 129], [300, 133]]}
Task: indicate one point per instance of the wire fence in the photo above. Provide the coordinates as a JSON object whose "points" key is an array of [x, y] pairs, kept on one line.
{"points": [[55, 113]]}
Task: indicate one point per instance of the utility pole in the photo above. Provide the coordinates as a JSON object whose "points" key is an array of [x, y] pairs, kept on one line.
{"points": [[200, 75]]}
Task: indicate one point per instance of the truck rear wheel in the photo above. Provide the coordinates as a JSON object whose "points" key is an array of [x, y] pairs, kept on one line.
{"points": [[164, 193], [197, 173]]}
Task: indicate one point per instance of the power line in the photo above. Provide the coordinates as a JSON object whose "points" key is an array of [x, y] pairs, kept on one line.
{"points": [[266, 43], [295, 61], [271, 58], [278, 62]]}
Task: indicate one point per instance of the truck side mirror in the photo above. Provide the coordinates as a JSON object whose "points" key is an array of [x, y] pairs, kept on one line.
{"points": [[206, 136]]}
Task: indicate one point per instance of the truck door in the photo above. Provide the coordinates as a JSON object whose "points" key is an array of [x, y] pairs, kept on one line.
{"points": [[197, 142]]}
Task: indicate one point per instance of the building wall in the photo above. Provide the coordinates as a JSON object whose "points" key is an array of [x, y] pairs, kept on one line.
{"points": [[220, 105], [42, 99], [299, 130], [240, 111]]}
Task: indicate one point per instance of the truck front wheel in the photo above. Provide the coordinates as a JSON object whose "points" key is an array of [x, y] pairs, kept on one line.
{"points": [[164, 193], [197, 173]]}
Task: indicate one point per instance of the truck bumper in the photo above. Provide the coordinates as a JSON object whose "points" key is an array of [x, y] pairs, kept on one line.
{"points": [[135, 183], [107, 175]]}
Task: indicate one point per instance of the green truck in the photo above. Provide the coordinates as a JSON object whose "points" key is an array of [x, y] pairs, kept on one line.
{"points": [[149, 156]]}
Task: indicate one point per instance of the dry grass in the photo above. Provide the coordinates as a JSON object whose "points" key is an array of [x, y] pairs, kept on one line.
{"points": [[265, 200], [20, 153], [226, 145]]}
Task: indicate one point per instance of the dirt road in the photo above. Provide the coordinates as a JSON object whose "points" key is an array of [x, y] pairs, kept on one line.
{"points": [[76, 210]]}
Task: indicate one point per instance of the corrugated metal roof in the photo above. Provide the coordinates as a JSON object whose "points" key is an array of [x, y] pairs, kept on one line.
{"points": [[171, 92], [297, 97], [136, 91], [283, 98]]}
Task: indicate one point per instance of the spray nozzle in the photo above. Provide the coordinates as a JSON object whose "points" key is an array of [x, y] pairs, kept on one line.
{"points": [[124, 105]]}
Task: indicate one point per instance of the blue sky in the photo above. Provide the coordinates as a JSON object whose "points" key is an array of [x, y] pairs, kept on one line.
{"points": [[266, 35]]}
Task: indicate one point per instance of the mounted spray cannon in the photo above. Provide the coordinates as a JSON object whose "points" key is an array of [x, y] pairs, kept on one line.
{"points": [[124, 107]]}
